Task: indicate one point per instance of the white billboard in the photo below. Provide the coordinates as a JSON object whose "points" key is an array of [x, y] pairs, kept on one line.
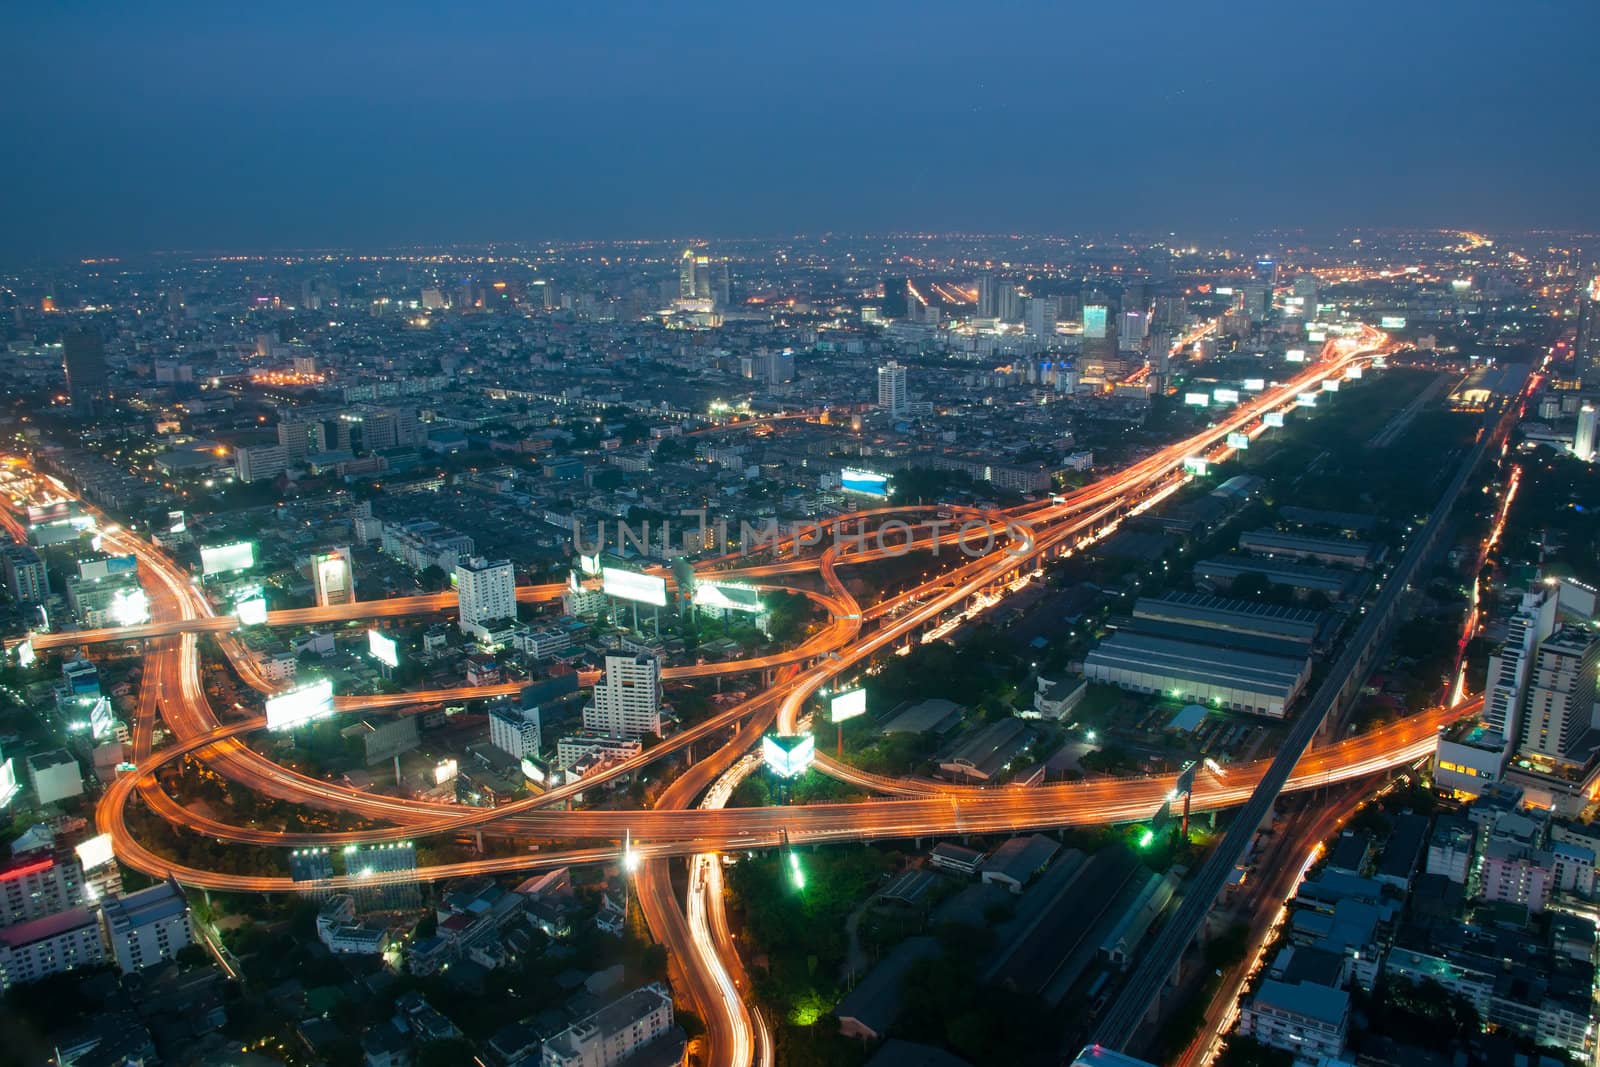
{"points": [[382, 648], [868, 483], [1306, 400], [1352, 374], [239, 556], [788, 757], [1254, 385], [1273, 418], [1226, 396], [1330, 385], [444, 771], [102, 719], [300, 705], [95, 852], [1240, 441], [130, 607], [727, 597], [631, 585], [9, 787], [848, 705], [26, 657], [252, 612], [1196, 465], [1295, 355], [1199, 400]]}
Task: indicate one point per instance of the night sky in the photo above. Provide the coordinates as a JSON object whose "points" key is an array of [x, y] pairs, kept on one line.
{"points": [[133, 127]]}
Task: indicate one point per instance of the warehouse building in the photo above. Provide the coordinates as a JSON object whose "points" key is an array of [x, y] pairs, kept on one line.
{"points": [[1335, 551], [1227, 620], [1185, 670], [1304, 578]]}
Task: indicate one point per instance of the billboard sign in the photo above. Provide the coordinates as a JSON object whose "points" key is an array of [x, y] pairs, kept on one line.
{"points": [[382, 648], [631, 585], [589, 564], [251, 612], [727, 597], [444, 771], [1225, 396], [130, 607], [1273, 418], [300, 705], [1198, 400], [788, 756], [1330, 385], [102, 720], [1240, 441], [26, 657], [221, 559], [1393, 322], [1196, 465], [1254, 385], [9, 787], [867, 483], [1306, 400], [848, 705], [1352, 374], [95, 852], [1295, 355]]}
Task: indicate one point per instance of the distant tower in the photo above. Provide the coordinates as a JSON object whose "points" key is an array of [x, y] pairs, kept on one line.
{"points": [[988, 295], [1099, 330], [1586, 352], [687, 279], [896, 297], [892, 388], [83, 357], [1305, 287], [1041, 313], [1583, 441]]}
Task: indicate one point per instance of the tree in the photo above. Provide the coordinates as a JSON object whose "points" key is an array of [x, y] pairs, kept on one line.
{"points": [[451, 1052], [433, 578]]}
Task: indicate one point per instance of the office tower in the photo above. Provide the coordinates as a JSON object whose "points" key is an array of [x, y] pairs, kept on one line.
{"points": [[1584, 439], [1009, 304], [488, 592], [83, 357], [627, 701], [1266, 270], [300, 438], [988, 295], [1134, 326], [1096, 320], [687, 282], [147, 927], [1040, 316], [515, 730], [1305, 291], [896, 297], [721, 284], [1561, 693], [1256, 301], [1136, 295], [25, 574], [257, 463], [1586, 350], [333, 576], [892, 388], [1171, 314], [1505, 685], [1099, 330]]}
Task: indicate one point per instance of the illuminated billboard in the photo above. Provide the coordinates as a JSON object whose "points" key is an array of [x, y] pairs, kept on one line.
{"points": [[866, 483], [95, 852], [1295, 355], [1306, 400], [251, 612], [1198, 400], [1196, 465], [590, 565], [727, 597], [1254, 385], [631, 585], [334, 581], [176, 523], [26, 657], [1239, 440], [382, 648], [788, 755], [1273, 418], [8, 782], [1316, 335], [1352, 374], [1330, 385], [130, 607], [848, 705], [221, 559], [300, 705], [1393, 322], [1225, 396], [102, 720], [443, 771]]}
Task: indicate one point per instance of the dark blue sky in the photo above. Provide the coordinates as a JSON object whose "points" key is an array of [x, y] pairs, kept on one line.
{"points": [[132, 127]]}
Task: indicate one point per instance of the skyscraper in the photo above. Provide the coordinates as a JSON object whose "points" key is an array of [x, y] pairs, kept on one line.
{"points": [[988, 295], [1040, 313], [1505, 686], [1305, 291], [1586, 351], [487, 591], [686, 275], [896, 296], [892, 388], [1561, 693], [1099, 330], [1583, 441], [627, 701], [83, 357]]}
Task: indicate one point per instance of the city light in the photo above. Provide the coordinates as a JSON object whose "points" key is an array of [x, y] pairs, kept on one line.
{"points": [[867, 483], [296, 707], [381, 647]]}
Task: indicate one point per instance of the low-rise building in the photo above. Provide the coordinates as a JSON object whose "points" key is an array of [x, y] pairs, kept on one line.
{"points": [[1306, 1019], [147, 927], [633, 1022]]}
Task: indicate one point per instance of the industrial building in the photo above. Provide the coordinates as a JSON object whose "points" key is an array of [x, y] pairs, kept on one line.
{"points": [[1221, 572], [1185, 670], [1235, 623], [1335, 551]]}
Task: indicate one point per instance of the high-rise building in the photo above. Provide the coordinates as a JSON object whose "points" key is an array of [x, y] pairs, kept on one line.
{"points": [[1561, 693], [1040, 314], [1306, 295], [1266, 270], [300, 438], [51, 944], [1096, 320], [1255, 300], [1506, 684], [1583, 441], [703, 281], [257, 463], [1008, 305], [39, 883], [892, 388], [25, 574], [687, 281], [514, 729], [147, 927], [488, 593], [896, 297], [83, 357], [627, 701], [1099, 331], [1586, 350], [1134, 325], [988, 295]]}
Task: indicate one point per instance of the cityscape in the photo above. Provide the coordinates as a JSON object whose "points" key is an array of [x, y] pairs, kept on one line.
{"points": [[984, 604]]}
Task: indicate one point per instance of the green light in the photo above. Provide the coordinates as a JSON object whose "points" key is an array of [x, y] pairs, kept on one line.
{"points": [[1147, 838], [796, 875]]}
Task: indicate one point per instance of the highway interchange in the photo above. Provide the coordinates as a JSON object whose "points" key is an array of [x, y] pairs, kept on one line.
{"points": [[689, 819]]}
